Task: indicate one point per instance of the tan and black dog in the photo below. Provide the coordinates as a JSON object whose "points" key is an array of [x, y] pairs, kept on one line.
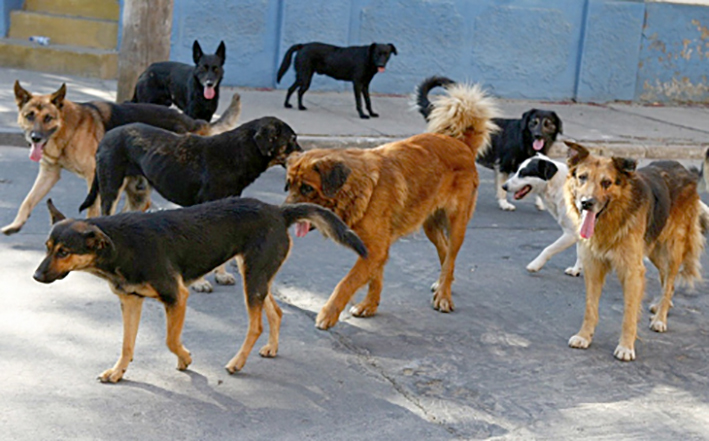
{"points": [[65, 135], [158, 254], [624, 215], [428, 181]]}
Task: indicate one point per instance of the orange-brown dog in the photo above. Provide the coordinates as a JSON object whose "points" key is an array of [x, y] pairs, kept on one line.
{"points": [[385, 193], [624, 215]]}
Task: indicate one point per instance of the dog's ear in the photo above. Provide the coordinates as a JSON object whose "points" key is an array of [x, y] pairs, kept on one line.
{"points": [[57, 98], [557, 121], [372, 48], [196, 52], [265, 138], [221, 52], [393, 49], [333, 176], [577, 153], [97, 240], [547, 169], [54, 213], [21, 95], [624, 165], [526, 116]]}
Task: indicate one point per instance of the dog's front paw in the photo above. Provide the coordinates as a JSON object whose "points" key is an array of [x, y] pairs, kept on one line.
{"points": [[202, 285], [363, 116], [374, 115], [268, 351], [225, 278], [288, 106], [435, 285], [236, 364], [539, 203], [112, 375], [11, 229], [302, 108], [364, 309], [656, 305], [623, 353], [657, 325], [184, 360], [442, 303], [535, 265], [573, 271], [326, 318], [579, 342], [504, 205]]}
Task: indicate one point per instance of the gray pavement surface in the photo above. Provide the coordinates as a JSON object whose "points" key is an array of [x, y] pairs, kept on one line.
{"points": [[331, 121], [496, 368]]}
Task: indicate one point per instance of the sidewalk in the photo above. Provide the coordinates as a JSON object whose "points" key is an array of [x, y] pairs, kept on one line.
{"points": [[332, 121]]}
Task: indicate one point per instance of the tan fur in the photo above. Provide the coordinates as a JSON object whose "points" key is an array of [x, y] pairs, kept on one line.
{"points": [[72, 146], [385, 193], [621, 240]]}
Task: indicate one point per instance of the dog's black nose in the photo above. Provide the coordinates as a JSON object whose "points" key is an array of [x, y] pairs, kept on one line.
{"points": [[587, 204], [35, 138], [504, 186]]}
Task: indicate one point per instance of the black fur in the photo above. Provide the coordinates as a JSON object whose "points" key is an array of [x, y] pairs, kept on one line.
{"points": [[357, 64], [115, 115], [170, 82], [189, 170], [539, 168], [513, 143]]}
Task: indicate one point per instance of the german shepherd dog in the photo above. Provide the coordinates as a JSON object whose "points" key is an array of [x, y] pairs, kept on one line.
{"points": [[157, 254], [65, 135], [357, 64], [517, 140], [385, 193], [626, 214], [187, 169], [193, 89]]}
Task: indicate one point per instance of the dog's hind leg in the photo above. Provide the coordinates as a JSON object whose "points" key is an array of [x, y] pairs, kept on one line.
{"points": [[222, 277], [500, 179], [46, 178], [274, 315], [131, 307], [668, 268], [368, 306], [304, 82], [594, 277], [291, 89], [435, 228], [175, 314], [458, 221]]}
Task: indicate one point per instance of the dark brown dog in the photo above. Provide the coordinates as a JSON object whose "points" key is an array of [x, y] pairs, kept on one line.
{"points": [[158, 254], [428, 180]]}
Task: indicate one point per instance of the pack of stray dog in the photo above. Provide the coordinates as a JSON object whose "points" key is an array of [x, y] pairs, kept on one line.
{"points": [[363, 199]]}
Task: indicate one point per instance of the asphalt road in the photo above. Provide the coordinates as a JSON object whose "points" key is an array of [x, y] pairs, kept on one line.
{"points": [[497, 367]]}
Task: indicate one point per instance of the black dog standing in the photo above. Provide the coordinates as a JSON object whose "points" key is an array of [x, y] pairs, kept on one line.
{"points": [[194, 89], [357, 64]]}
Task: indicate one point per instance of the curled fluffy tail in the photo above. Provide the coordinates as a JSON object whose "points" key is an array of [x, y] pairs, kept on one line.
{"points": [[327, 222], [229, 118], [423, 104], [465, 112], [93, 194], [285, 64]]}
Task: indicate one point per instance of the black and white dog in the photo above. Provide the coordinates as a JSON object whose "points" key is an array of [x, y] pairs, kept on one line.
{"points": [[193, 89], [517, 139], [545, 178]]}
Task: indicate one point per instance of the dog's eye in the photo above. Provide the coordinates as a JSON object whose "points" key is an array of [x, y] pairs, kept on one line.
{"points": [[534, 122], [306, 190], [582, 178], [606, 183], [61, 253], [30, 116], [48, 119]]}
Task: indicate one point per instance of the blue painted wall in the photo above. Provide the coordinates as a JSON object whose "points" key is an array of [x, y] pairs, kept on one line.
{"points": [[5, 7]]}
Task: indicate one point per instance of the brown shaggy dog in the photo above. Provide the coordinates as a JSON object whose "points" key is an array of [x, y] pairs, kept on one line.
{"points": [[385, 193], [623, 216]]}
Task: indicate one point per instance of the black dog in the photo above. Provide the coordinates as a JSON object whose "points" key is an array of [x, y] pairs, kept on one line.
{"points": [[189, 170], [357, 64], [157, 254], [516, 141], [194, 89]]}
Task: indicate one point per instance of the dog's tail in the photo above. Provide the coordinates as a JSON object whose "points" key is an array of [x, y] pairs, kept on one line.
{"points": [[465, 112], [229, 118], [324, 220], [420, 97], [93, 194], [285, 64]]}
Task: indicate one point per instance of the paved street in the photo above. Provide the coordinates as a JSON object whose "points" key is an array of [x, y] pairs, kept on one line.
{"points": [[498, 367]]}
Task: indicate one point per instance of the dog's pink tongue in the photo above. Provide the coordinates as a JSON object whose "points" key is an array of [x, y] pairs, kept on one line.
{"points": [[209, 92], [302, 228], [588, 223], [36, 151], [538, 144], [380, 69]]}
